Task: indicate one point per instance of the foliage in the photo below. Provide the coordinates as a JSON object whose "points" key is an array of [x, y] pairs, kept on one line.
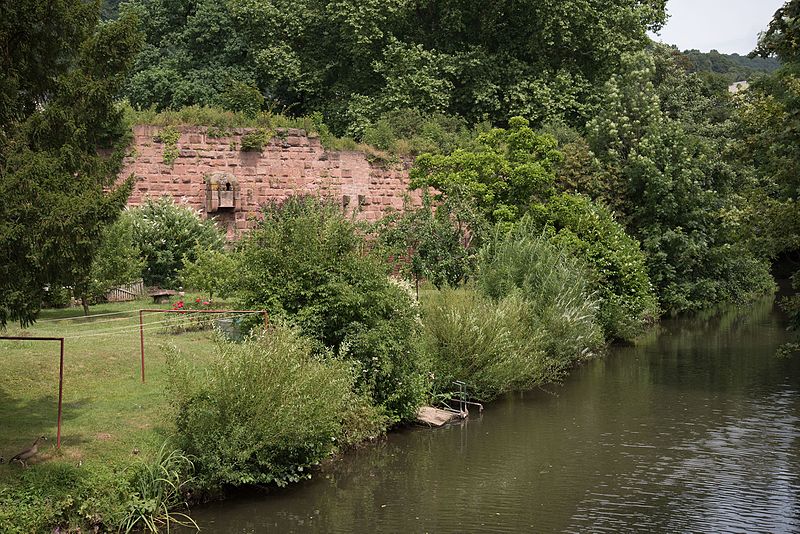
{"points": [[211, 271], [558, 293], [355, 61], [169, 136], [60, 495], [510, 170], [407, 132], [254, 141], [117, 262], [780, 39], [307, 263], [489, 344], [242, 98], [59, 80], [157, 488], [675, 194], [531, 319], [166, 234], [438, 244], [617, 265], [266, 410], [732, 67]]}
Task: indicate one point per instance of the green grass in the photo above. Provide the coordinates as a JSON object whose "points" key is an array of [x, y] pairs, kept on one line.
{"points": [[107, 412]]}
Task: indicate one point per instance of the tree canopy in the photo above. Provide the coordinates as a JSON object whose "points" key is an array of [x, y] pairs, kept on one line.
{"points": [[354, 60]]}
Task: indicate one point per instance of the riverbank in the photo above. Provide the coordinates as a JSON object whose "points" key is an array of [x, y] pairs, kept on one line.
{"points": [[113, 425], [693, 429]]}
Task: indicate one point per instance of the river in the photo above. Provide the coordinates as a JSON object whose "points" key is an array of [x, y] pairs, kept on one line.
{"points": [[695, 429]]}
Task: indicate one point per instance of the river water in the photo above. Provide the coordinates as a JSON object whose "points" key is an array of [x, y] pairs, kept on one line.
{"points": [[693, 430]]}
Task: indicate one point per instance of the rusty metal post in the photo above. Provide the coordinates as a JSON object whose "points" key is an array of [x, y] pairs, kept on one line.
{"points": [[141, 341], [266, 320], [60, 374], [60, 393]]}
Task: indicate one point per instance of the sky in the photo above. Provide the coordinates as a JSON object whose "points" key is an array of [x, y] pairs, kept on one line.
{"points": [[725, 25]]}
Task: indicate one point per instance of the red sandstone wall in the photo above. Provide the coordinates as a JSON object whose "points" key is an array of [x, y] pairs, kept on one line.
{"points": [[290, 164]]}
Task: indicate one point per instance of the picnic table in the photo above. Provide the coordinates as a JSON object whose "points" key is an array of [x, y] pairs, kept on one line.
{"points": [[161, 296]]}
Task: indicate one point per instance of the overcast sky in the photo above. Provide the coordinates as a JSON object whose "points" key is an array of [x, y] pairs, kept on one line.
{"points": [[725, 25]]}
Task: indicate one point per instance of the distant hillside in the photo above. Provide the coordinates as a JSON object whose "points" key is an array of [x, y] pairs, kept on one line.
{"points": [[733, 66]]}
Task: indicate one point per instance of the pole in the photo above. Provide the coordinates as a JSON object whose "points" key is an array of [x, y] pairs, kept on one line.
{"points": [[60, 393], [60, 374]]}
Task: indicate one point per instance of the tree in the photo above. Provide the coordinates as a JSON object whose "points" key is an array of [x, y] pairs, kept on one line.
{"points": [[211, 270], [781, 38], [116, 263], [306, 263], [437, 243], [675, 193], [770, 120], [57, 193], [354, 60], [510, 170]]}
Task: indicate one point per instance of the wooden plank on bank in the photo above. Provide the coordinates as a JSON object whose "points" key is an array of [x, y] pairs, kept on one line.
{"points": [[428, 415]]}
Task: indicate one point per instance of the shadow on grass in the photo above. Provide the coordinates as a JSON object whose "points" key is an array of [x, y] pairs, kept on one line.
{"points": [[23, 420]]}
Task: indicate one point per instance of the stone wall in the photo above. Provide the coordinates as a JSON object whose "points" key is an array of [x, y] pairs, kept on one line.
{"points": [[292, 163]]}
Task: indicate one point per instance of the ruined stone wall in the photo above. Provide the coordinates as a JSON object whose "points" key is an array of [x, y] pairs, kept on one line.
{"points": [[291, 163]]}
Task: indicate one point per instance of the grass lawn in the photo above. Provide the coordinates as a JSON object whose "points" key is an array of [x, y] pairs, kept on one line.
{"points": [[107, 412]]}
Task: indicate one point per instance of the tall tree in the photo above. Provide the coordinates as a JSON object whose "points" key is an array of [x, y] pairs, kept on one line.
{"points": [[671, 185], [61, 144]]}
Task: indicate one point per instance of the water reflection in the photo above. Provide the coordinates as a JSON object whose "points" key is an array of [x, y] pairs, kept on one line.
{"points": [[694, 430]]}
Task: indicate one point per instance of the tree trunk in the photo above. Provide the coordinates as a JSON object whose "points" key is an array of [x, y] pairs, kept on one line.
{"points": [[85, 304]]}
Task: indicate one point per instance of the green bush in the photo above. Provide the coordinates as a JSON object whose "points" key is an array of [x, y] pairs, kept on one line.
{"points": [[437, 243], [408, 132], [211, 271], [242, 98], [307, 263], [556, 286], [266, 410], [142, 498], [166, 234], [531, 319], [484, 343], [617, 265], [254, 141], [57, 297]]}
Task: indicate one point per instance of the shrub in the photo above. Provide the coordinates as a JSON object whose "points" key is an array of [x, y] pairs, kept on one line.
{"points": [[166, 234], [614, 259], [484, 343], [254, 141], [307, 263], [157, 489], [408, 132], [532, 318], [555, 285], [437, 244], [242, 98], [211, 271], [57, 297], [266, 409]]}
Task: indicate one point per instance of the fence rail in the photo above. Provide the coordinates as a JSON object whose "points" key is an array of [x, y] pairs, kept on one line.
{"points": [[126, 293]]}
